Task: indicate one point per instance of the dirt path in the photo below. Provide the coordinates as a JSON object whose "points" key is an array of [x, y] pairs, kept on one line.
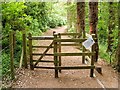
{"points": [[42, 78]]}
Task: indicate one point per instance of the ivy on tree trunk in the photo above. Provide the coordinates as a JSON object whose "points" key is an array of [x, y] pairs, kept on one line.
{"points": [[111, 26]]}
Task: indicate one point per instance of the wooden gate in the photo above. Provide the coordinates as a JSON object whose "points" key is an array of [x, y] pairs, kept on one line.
{"points": [[56, 45]]}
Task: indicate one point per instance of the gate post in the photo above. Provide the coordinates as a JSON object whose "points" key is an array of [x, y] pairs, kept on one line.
{"points": [[55, 56], [83, 49], [24, 50], [59, 51], [30, 52], [92, 58]]}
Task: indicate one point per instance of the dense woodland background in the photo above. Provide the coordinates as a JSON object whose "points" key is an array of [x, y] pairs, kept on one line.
{"points": [[38, 17]]}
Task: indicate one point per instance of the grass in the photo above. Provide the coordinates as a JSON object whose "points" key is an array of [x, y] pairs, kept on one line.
{"points": [[102, 52]]}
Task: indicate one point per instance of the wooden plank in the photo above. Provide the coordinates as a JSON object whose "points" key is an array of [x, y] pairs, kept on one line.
{"points": [[59, 52], [41, 46], [74, 54], [43, 54], [30, 52], [41, 37], [44, 67], [92, 59], [21, 59], [69, 34], [67, 68], [55, 57], [70, 40], [76, 67], [70, 44], [11, 55], [44, 61], [38, 54], [25, 51]]}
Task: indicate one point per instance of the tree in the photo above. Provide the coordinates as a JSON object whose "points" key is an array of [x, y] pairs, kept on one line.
{"points": [[111, 26], [93, 16], [81, 18], [119, 37], [69, 23]]}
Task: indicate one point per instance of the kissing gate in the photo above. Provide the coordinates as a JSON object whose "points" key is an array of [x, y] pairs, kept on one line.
{"points": [[56, 45]]}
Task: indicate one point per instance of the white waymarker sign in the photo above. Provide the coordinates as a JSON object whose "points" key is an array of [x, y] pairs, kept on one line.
{"points": [[88, 43]]}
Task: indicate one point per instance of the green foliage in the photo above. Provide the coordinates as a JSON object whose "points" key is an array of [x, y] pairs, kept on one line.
{"points": [[32, 17]]}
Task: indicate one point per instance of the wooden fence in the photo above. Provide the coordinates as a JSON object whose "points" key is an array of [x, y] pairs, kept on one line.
{"points": [[56, 45]]}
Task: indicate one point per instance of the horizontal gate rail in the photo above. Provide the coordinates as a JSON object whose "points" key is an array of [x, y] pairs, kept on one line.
{"points": [[69, 40], [69, 33], [67, 68], [74, 54], [44, 61], [41, 46], [38, 54], [41, 37]]}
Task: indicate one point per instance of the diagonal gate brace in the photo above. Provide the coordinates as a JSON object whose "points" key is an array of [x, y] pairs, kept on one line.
{"points": [[43, 54]]}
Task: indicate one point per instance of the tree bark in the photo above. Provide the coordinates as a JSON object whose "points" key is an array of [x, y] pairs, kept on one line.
{"points": [[81, 17], [69, 24], [93, 16]]}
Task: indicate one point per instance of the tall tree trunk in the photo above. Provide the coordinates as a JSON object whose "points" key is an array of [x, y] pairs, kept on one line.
{"points": [[81, 17], [69, 23], [119, 36], [111, 26], [93, 16]]}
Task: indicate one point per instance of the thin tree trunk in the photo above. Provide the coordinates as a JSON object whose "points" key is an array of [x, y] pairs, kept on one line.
{"points": [[93, 11], [111, 26], [81, 17], [69, 23], [119, 37]]}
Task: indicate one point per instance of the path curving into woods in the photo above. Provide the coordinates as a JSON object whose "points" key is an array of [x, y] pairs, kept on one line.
{"points": [[44, 78]]}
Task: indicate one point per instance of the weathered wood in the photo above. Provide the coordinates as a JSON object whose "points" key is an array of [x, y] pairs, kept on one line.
{"points": [[41, 46], [43, 54], [83, 48], [74, 54], [76, 67], [21, 59], [44, 61], [69, 34], [59, 52], [38, 54], [70, 44], [14, 39], [67, 68], [41, 37], [43, 67], [92, 60], [70, 40], [25, 51], [11, 55], [55, 57], [30, 52]]}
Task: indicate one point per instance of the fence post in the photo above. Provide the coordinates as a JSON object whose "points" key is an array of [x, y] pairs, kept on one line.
{"points": [[24, 50], [11, 55], [59, 52], [83, 49], [14, 39], [30, 52], [92, 58], [55, 56]]}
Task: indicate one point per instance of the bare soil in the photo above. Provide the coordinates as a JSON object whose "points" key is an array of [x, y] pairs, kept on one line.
{"points": [[44, 78]]}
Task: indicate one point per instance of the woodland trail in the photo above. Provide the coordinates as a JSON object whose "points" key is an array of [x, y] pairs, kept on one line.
{"points": [[44, 78]]}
